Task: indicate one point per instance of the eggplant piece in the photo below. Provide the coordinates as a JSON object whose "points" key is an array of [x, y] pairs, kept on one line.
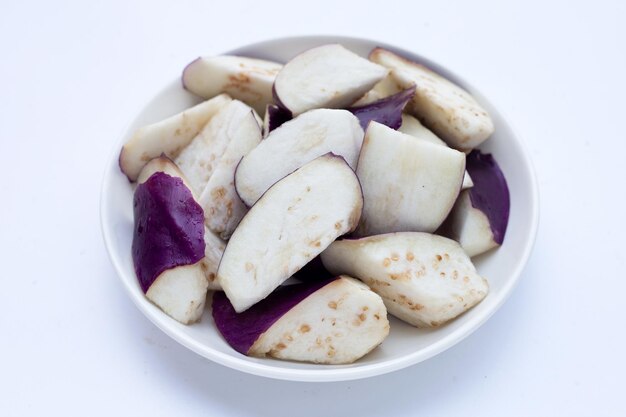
{"points": [[247, 79], [199, 159], [408, 184], [480, 216], [387, 111], [424, 279], [384, 88], [214, 246], [328, 76], [167, 137], [213, 252], [275, 116], [444, 107], [412, 126], [331, 321], [295, 220], [168, 245], [165, 165], [223, 209], [296, 142]]}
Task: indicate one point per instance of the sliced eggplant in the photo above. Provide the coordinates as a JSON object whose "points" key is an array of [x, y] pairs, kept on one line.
{"points": [[168, 245], [291, 224], [408, 184], [295, 143], [247, 79], [223, 209], [328, 76], [444, 107], [412, 126], [214, 246], [168, 136], [162, 164], [199, 159], [214, 249], [331, 321], [384, 88], [480, 216], [387, 111], [275, 116], [425, 280]]}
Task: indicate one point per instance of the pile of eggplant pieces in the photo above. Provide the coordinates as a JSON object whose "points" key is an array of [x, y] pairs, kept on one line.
{"points": [[362, 183]]}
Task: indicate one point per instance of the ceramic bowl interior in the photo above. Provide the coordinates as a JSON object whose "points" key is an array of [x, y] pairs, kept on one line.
{"points": [[405, 345]]}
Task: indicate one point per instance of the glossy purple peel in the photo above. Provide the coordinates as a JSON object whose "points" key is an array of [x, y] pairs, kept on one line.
{"points": [[387, 111], [243, 329], [490, 193], [276, 116], [168, 230]]}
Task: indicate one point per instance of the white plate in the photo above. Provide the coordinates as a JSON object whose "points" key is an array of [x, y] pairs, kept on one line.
{"points": [[405, 345]]}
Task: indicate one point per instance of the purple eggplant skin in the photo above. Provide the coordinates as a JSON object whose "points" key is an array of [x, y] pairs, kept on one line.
{"points": [[169, 228], [277, 116], [241, 330], [387, 110], [490, 193]]}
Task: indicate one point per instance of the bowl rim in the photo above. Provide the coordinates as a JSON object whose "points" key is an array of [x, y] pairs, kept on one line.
{"points": [[323, 374]]}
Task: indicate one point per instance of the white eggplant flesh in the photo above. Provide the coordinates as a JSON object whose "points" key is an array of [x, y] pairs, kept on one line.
{"points": [[162, 164], [412, 126], [295, 143], [180, 292], [328, 76], [199, 159], [408, 184], [295, 220], [470, 227], [444, 107], [337, 324], [424, 279], [168, 136], [223, 209], [213, 251], [384, 88], [247, 79]]}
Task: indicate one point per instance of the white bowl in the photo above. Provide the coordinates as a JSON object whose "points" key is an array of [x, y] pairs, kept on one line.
{"points": [[405, 345]]}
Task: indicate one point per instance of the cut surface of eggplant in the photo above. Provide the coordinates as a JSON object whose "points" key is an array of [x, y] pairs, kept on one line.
{"points": [[328, 76], [295, 143], [167, 136], [223, 209], [408, 184], [412, 126], [247, 79], [444, 107], [331, 321], [295, 220], [424, 279]]}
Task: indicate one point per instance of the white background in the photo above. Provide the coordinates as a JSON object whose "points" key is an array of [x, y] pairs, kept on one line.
{"points": [[72, 76]]}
